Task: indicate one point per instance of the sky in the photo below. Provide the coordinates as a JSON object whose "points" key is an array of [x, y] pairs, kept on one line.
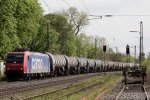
{"points": [[116, 28]]}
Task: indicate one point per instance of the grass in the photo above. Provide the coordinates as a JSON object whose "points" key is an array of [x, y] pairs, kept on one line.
{"points": [[105, 82], [147, 64], [93, 92]]}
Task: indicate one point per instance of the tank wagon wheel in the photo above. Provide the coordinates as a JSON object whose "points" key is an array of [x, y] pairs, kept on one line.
{"points": [[42, 76], [27, 77], [66, 73]]}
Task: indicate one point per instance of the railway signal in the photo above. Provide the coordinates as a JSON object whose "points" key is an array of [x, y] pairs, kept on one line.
{"points": [[104, 48], [127, 49]]}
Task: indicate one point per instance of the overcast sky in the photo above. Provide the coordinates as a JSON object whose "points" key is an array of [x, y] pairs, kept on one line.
{"points": [[115, 29]]}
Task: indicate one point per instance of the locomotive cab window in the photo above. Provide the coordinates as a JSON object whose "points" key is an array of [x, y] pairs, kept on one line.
{"points": [[15, 58]]}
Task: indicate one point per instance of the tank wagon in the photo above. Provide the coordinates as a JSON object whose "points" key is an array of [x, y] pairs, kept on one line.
{"points": [[73, 65], [59, 64], [83, 65], [27, 65], [99, 65], [91, 65], [111, 66]]}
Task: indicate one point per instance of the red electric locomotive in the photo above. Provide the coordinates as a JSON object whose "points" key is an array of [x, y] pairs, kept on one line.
{"points": [[24, 65]]}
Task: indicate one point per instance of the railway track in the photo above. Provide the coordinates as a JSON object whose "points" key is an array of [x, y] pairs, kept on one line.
{"points": [[126, 92], [132, 92], [76, 91], [66, 94], [7, 92]]}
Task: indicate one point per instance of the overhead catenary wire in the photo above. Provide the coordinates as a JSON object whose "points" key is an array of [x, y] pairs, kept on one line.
{"points": [[131, 15], [66, 3], [85, 5], [47, 6], [93, 26], [48, 27], [111, 15], [134, 25]]}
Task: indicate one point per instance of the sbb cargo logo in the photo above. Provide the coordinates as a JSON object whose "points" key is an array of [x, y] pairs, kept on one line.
{"points": [[37, 63]]}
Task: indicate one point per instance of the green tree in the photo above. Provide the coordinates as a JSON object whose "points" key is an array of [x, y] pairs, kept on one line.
{"points": [[61, 37], [19, 24], [28, 15], [66, 37], [146, 63], [85, 46], [77, 19], [81, 49], [8, 27]]}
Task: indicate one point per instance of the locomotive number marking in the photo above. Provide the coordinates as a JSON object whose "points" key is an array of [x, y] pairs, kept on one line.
{"points": [[37, 63]]}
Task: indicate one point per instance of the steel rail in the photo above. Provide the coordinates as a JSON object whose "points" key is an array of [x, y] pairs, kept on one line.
{"points": [[147, 98], [60, 89], [14, 90], [77, 91], [117, 97]]}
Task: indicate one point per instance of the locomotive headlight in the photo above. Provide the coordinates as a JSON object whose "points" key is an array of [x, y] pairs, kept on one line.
{"points": [[8, 68], [21, 68]]}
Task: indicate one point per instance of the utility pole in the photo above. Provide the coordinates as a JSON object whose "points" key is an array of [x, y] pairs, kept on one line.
{"points": [[79, 50], [135, 54], [95, 47], [48, 33], [104, 50], [128, 53], [141, 43], [116, 53], [48, 28], [141, 48]]}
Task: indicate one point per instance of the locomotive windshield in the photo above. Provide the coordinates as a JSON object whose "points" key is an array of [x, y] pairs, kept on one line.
{"points": [[15, 58]]}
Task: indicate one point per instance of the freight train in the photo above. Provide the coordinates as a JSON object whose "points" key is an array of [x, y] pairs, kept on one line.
{"points": [[28, 65]]}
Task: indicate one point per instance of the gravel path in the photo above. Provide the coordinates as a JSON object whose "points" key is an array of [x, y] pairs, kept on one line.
{"points": [[147, 86], [133, 92], [130, 92], [111, 95]]}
